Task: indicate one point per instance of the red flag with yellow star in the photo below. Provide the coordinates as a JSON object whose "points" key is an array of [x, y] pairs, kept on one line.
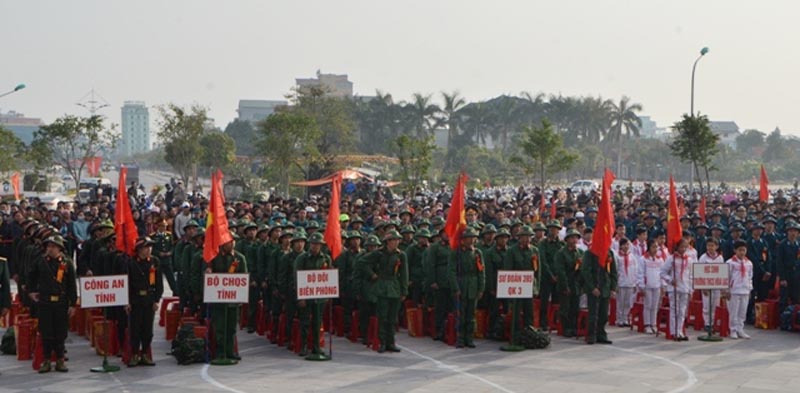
{"points": [[604, 227], [674, 231], [456, 220], [763, 192]]}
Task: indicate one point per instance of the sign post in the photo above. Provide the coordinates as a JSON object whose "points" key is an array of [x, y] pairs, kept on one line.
{"points": [[710, 277], [319, 284], [225, 288], [104, 291], [514, 284]]}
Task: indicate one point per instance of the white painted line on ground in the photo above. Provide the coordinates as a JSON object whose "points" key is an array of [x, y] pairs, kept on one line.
{"points": [[691, 378], [455, 369], [209, 379]]}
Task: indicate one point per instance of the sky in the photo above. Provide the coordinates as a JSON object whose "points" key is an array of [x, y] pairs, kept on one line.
{"points": [[215, 53]]}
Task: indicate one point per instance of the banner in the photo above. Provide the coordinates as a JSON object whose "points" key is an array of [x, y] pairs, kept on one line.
{"points": [[104, 291], [317, 284], [515, 284], [710, 276], [226, 287]]}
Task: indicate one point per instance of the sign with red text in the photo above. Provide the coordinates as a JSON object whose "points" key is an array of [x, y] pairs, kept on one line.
{"points": [[104, 291], [317, 284], [710, 276], [226, 287], [515, 284]]}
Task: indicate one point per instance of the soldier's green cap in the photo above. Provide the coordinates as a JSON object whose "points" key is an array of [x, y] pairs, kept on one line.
{"points": [[505, 223], [525, 231], [393, 223], [299, 235], [373, 240], [437, 221], [200, 232], [312, 225], [538, 226], [554, 224], [354, 235], [392, 235], [405, 211], [285, 233], [289, 224], [191, 223], [407, 229], [247, 224], [143, 242], [234, 236], [572, 232], [469, 232], [344, 217], [356, 219], [793, 225], [424, 232], [105, 224], [317, 238], [57, 240], [502, 232], [488, 229], [424, 222], [263, 227]]}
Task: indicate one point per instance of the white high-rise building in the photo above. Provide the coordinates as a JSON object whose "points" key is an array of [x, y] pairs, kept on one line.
{"points": [[135, 128]]}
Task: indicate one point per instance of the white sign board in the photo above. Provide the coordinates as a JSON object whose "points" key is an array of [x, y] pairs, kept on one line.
{"points": [[104, 291], [710, 276], [226, 287], [317, 284], [515, 284]]}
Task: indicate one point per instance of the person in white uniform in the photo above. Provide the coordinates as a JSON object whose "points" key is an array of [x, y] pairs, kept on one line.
{"points": [[652, 286], [711, 297], [627, 281], [741, 284], [677, 272]]}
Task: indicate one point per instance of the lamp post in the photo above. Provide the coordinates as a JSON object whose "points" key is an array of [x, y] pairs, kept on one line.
{"points": [[16, 89], [694, 67]]}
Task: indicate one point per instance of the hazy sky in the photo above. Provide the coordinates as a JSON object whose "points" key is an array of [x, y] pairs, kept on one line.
{"points": [[217, 52]]}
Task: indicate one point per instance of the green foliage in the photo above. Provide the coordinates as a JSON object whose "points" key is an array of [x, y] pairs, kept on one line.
{"points": [[70, 141], [415, 156], [12, 150], [243, 134], [695, 143], [289, 139], [542, 153], [776, 149], [218, 150], [180, 130], [749, 140]]}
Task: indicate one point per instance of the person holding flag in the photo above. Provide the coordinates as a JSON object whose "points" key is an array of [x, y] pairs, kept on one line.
{"points": [[310, 311], [677, 272], [467, 278]]}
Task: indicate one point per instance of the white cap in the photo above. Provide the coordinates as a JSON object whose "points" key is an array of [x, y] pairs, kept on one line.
{"points": [[309, 209], [185, 205], [579, 215]]}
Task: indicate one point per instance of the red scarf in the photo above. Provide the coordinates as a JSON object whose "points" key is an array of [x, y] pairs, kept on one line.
{"points": [[685, 261], [741, 265], [626, 264]]}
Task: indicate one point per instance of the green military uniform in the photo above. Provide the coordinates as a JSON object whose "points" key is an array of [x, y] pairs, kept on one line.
{"points": [[197, 268], [346, 264], [224, 316], [435, 260], [249, 248], [389, 271], [287, 282], [494, 260], [416, 272], [364, 287], [594, 276], [277, 299], [163, 244], [527, 258], [567, 265], [265, 251], [310, 311], [466, 273], [548, 247]]}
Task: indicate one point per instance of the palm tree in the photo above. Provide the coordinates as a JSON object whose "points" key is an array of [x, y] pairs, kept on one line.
{"points": [[625, 119], [452, 103], [424, 115]]}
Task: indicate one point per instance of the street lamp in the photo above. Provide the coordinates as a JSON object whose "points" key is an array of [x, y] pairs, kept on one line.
{"points": [[16, 89], [702, 53]]}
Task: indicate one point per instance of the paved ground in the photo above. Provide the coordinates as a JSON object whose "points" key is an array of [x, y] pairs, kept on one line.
{"points": [[635, 363]]}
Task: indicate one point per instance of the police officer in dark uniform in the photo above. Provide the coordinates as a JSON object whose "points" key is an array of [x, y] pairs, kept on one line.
{"points": [[145, 290], [163, 244], [788, 264]]}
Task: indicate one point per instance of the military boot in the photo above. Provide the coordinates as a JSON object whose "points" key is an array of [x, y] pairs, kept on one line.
{"points": [[44, 367], [60, 366]]}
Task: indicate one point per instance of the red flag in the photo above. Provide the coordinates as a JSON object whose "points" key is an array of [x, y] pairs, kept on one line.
{"points": [[15, 184], [674, 231], [701, 211], [604, 227], [333, 232], [553, 208], [763, 193], [124, 227], [456, 220], [217, 232]]}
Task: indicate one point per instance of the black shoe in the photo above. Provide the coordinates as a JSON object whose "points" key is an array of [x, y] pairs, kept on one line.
{"points": [[459, 345], [392, 348], [382, 349], [438, 338], [569, 334], [470, 345], [250, 330], [302, 353], [544, 328], [236, 356], [590, 342], [604, 341]]}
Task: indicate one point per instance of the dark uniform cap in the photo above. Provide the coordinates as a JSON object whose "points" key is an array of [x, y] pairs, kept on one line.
{"points": [[316, 238], [701, 225], [263, 227], [437, 221], [757, 225], [191, 223], [247, 224], [57, 240]]}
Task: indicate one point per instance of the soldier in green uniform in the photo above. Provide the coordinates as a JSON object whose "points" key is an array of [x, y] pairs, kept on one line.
{"points": [[487, 238], [494, 260], [310, 311], [388, 269], [539, 231], [163, 244], [408, 237], [52, 287], [196, 270], [224, 316], [364, 286], [144, 293], [286, 279], [181, 260], [524, 256], [346, 264], [416, 272], [276, 303], [249, 248], [436, 274], [599, 284], [548, 248], [265, 247], [566, 266], [467, 276]]}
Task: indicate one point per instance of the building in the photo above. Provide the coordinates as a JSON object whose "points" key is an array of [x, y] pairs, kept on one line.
{"points": [[334, 85], [135, 128], [727, 131], [257, 110], [23, 127]]}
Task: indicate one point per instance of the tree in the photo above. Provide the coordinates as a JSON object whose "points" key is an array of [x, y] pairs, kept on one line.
{"points": [[424, 115], [415, 156], [776, 148], [543, 153], [71, 141], [218, 150], [289, 139], [695, 143], [623, 120], [243, 134], [180, 131], [452, 103], [12, 150], [749, 140]]}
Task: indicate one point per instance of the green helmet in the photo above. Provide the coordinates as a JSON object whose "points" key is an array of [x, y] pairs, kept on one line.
{"points": [[247, 224], [373, 240], [57, 240], [407, 229], [437, 221], [525, 231], [424, 232], [572, 232], [354, 235], [392, 235], [263, 228], [200, 232], [299, 235], [316, 238], [312, 225], [554, 224], [344, 217], [191, 223], [469, 232], [234, 236], [488, 229], [539, 226], [356, 219], [105, 224], [502, 232]]}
